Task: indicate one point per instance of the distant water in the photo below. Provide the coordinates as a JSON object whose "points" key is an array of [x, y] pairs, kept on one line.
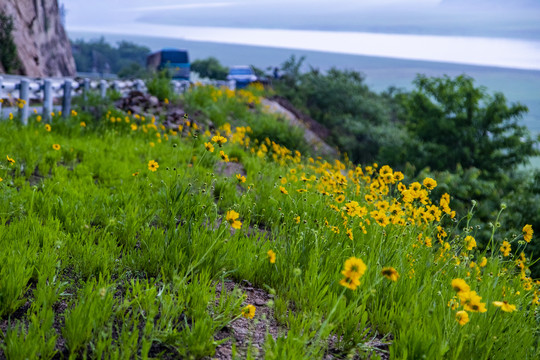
{"points": [[499, 52]]}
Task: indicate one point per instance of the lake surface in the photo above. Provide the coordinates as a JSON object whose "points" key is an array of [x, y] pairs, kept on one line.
{"points": [[482, 51]]}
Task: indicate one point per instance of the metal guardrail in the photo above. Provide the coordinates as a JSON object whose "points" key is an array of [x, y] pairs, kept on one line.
{"points": [[25, 89]]}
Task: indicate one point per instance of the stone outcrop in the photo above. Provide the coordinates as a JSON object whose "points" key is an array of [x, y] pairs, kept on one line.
{"points": [[43, 47]]}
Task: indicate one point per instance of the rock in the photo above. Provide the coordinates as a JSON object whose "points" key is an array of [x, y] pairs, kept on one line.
{"points": [[260, 302], [43, 47], [153, 101]]}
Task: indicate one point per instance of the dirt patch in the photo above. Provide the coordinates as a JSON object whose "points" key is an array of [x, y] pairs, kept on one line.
{"points": [[229, 169], [243, 332]]}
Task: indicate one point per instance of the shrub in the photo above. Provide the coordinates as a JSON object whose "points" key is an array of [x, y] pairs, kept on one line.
{"points": [[8, 49]]}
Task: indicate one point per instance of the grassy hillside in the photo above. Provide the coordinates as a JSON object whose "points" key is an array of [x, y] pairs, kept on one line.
{"points": [[124, 238]]}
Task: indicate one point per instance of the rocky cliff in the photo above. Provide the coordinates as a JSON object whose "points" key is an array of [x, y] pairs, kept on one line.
{"points": [[42, 44]]}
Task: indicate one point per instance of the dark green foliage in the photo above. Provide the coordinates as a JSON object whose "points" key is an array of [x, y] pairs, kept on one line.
{"points": [[8, 49], [210, 68], [451, 122], [126, 59], [160, 86], [361, 122]]}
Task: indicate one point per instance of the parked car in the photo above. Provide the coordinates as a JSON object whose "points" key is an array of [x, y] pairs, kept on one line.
{"points": [[176, 61], [243, 75]]}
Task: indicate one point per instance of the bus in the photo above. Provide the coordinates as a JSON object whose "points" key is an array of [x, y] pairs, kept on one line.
{"points": [[176, 61]]}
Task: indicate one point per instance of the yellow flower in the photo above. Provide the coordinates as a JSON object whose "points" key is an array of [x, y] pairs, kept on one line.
{"points": [[47, 127], [135, 173], [470, 242], [10, 160], [133, 127], [56, 146], [283, 190], [505, 306], [218, 139], [459, 285], [271, 256], [340, 198], [527, 233], [240, 178], [505, 248], [224, 156], [152, 144], [398, 176], [483, 262], [83, 124], [38, 118], [1, 179], [297, 219], [462, 317], [232, 219], [209, 147], [350, 282], [354, 267], [153, 165], [430, 184], [248, 312], [390, 273], [471, 301]]}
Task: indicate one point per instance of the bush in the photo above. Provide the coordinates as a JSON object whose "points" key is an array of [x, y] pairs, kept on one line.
{"points": [[210, 68], [160, 86], [8, 49]]}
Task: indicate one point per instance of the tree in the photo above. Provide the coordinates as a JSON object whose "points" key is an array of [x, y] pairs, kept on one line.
{"points": [[8, 49], [210, 68], [451, 122], [127, 59]]}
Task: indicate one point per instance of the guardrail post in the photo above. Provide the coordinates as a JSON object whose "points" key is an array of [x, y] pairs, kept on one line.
{"points": [[66, 101], [1, 96], [47, 100], [86, 89], [24, 96], [103, 89]]}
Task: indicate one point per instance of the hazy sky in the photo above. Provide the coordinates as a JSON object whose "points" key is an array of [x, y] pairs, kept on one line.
{"points": [[496, 18]]}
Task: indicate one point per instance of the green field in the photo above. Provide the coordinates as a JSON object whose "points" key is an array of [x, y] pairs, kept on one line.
{"points": [[124, 238]]}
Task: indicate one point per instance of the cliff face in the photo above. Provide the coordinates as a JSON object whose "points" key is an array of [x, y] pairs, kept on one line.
{"points": [[42, 44]]}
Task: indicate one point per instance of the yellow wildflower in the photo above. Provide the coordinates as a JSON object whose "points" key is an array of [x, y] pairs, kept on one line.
{"points": [[470, 242], [527, 233], [232, 219], [248, 312], [505, 306], [390, 273], [505, 248], [153, 165], [271, 256], [462, 317]]}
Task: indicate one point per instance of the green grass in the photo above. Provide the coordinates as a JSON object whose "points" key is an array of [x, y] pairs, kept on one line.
{"points": [[104, 258]]}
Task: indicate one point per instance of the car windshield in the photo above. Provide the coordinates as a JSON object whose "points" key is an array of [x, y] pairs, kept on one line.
{"points": [[242, 71]]}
